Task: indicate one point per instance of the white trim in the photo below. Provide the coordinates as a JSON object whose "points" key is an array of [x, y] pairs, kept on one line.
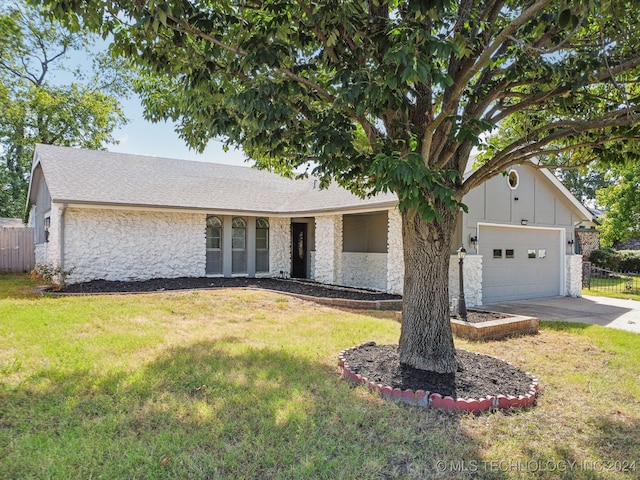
{"points": [[247, 213], [561, 246]]}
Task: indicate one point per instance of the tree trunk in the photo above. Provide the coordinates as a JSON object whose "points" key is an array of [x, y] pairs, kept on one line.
{"points": [[426, 339]]}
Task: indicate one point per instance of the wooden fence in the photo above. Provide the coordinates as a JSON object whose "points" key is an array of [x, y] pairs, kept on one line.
{"points": [[17, 252]]}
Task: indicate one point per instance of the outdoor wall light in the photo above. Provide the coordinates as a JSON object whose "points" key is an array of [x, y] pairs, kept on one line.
{"points": [[570, 242], [473, 240], [462, 306], [524, 221]]}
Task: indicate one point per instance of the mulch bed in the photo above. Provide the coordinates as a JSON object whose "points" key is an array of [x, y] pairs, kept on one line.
{"points": [[478, 375], [299, 287], [474, 316]]}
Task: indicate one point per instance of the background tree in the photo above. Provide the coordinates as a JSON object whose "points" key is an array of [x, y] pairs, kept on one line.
{"points": [[389, 96], [585, 182], [621, 200], [44, 100]]}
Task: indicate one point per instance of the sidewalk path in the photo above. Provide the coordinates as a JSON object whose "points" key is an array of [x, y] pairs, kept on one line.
{"points": [[607, 312]]}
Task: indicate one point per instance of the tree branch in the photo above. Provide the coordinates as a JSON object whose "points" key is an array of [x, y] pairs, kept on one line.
{"points": [[516, 152], [185, 27]]}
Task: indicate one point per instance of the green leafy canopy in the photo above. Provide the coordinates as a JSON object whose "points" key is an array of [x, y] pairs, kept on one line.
{"points": [[385, 95], [80, 107]]}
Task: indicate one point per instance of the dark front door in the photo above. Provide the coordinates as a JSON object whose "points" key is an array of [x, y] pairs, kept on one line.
{"points": [[299, 250]]}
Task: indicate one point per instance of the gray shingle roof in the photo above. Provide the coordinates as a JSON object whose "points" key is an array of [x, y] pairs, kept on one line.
{"points": [[99, 177]]}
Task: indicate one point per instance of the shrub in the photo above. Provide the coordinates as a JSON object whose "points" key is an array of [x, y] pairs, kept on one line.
{"points": [[629, 261], [620, 260], [54, 276], [607, 258]]}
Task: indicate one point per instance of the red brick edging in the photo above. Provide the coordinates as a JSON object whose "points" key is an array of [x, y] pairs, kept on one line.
{"points": [[420, 398]]}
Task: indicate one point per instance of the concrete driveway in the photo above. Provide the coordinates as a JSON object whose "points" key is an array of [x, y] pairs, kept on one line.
{"points": [[607, 312]]}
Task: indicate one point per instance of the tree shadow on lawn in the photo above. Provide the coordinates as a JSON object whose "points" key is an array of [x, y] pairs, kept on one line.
{"points": [[206, 411]]}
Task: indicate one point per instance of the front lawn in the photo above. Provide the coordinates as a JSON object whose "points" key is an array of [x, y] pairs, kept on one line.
{"points": [[243, 384]]}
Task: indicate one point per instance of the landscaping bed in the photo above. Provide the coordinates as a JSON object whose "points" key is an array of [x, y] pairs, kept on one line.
{"points": [[293, 286], [481, 382]]}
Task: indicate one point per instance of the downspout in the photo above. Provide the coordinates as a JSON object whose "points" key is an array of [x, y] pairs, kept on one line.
{"points": [[64, 208]]}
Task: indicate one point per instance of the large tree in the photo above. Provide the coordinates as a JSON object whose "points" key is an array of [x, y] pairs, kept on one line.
{"points": [[45, 98], [389, 96]]}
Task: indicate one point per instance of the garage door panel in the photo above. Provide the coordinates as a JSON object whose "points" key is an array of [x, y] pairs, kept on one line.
{"points": [[517, 276]]}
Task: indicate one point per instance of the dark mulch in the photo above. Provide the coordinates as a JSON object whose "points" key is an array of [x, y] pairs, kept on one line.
{"points": [[474, 316], [300, 287], [478, 375]]}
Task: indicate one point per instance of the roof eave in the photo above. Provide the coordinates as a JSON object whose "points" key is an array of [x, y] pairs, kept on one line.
{"points": [[70, 203]]}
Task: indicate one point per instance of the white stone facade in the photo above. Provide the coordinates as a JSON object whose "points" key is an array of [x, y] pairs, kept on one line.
{"points": [[574, 275], [49, 253], [472, 271], [133, 245], [395, 253], [312, 265], [279, 246], [364, 270], [328, 258]]}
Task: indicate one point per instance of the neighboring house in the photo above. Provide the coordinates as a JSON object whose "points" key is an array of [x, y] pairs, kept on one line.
{"points": [[129, 217], [631, 244], [587, 237]]}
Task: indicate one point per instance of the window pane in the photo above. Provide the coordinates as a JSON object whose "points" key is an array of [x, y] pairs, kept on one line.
{"points": [[262, 238], [238, 262], [214, 262], [214, 222], [262, 261], [213, 242], [237, 239]]}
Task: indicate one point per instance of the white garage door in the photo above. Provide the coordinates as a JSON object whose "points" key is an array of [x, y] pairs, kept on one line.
{"points": [[520, 263]]}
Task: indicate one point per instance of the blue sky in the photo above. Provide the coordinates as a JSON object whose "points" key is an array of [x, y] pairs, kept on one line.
{"points": [[160, 140]]}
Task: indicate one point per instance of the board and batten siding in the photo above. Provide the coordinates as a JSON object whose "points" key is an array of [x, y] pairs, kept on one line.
{"points": [[535, 200], [17, 253], [133, 245]]}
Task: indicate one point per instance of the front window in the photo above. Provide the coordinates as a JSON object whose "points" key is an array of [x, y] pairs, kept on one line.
{"points": [[214, 246], [47, 226], [262, 245], [238, 245]]}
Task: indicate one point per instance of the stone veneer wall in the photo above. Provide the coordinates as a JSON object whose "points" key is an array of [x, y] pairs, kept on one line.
{"points": [[395, 253], [312, 265], [328, 258], [279, 246], [588, 241], [364, 270], [133, 245], [472, 279], [49, 253], [574, 275]]}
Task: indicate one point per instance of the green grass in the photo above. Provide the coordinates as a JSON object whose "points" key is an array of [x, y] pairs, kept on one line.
{"points": [[112, 387], [617, 287]]}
